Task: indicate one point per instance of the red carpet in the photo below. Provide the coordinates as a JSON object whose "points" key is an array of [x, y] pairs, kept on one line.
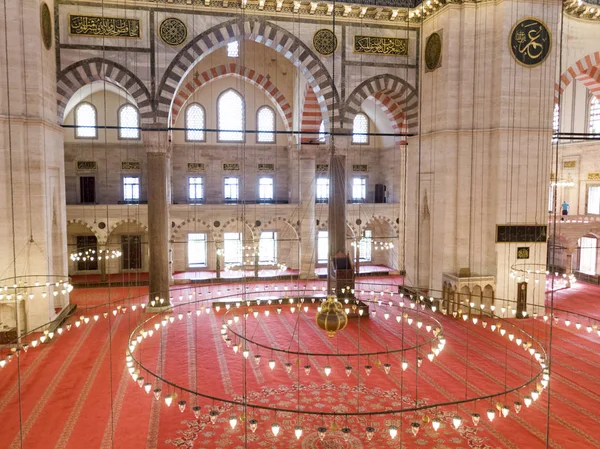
{"points": [[76, 392]]}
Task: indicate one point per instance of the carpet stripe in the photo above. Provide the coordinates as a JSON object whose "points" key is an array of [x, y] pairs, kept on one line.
{"points": [[152, 438]]}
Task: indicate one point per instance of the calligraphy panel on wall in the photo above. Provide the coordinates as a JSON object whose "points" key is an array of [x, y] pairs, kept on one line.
{"points": [[530, 42], [97, 26], [375, 45], [520, 233]]}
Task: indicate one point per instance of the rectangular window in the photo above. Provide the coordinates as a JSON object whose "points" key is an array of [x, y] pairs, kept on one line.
{"points": [[232, 189], [359, 188], [267, 248], [322, 193], [196, 250], [551, 199], [593, 200], [587, 255], [131, 252], [265, 189], [233, 49], [131, 188], [196, 189], [87, 243], [365, 246], [322, 247], [87, 189], [232, 248]]}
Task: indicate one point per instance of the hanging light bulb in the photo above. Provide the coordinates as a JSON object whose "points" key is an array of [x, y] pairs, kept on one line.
{"points": [[181, 405], [535, 395], [456, 421], [253, 423], [233, 421], [527, 401], [271, 363], [505, 411], [414, 427], [213, 416], [475, 417], [430, 356], [307, 369], [348, 370], [435, 423], [321, 431], [298, 432], [368, 369], [346, 433], [370, 432], [404, 365], [147, 387], [419, 362], [157, 392], [288, 367], [491, 414], [327, 370], [517, 405], [196, 411], [236, 348], [275, 429], [393, 432], [246, 353]]}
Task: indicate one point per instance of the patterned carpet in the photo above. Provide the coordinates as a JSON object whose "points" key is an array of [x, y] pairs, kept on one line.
{"points": [[76, 391]]}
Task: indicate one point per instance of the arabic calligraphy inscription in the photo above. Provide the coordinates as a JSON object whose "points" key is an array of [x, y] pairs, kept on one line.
{"points": [[433, 51], [46, 21], [386, 46], [530, 42], [95, 26]]}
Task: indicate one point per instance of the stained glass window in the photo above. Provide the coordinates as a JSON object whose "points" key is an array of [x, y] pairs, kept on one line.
{"points": [[265, 119], [129, 122], [360, 129], [86, 121], [194, 123], [231, 116]]}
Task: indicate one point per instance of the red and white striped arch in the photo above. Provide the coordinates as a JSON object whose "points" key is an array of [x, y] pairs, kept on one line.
{"points": [[193, 83], [586, 70]]}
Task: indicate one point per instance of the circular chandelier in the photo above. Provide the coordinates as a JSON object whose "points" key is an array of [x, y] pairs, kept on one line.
{"points": [[34, 286], [412, 314]]}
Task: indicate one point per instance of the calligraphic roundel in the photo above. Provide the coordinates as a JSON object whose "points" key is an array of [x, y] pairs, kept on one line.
{"points": [[530, 42]]}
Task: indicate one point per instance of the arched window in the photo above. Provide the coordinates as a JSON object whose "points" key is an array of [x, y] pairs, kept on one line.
{"points": [[594, 117], [265, 124], [86, 121], [322, 131], [360, 128], [230, 112], [129, 122], [195, 123]]}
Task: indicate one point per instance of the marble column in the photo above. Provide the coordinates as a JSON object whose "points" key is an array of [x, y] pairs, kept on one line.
{"points": [[158, 217], [337, 208], [308, 228]]}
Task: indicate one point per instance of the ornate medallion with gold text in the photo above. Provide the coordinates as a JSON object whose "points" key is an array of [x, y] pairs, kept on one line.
{"points": [[46, 21], [530, 42], [172, 31], [433, 51]]}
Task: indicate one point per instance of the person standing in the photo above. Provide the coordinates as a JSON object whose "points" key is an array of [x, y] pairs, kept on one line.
{"points": [[565, 209]]}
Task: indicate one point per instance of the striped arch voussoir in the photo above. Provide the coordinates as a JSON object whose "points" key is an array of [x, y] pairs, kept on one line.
{"points": [[383, 218], [193, 83], [126, 221], [395, 115], [88, 226], [84, 72], [253, 29], [184, 223], [279, 219], [585, 70]]}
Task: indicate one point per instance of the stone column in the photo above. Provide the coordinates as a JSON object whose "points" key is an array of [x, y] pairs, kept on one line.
{"points": [[308, 227], [337, 209], [158, 215]]}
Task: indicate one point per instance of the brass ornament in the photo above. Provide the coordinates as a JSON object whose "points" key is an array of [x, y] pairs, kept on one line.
{"points": [[332, 317], [172, 31], [530, 42], [46, 25], [325, 42], [433, 51]]}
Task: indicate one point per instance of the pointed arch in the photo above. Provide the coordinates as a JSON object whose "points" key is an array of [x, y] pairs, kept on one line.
{"points": [[84, 72], [258, 30], [586, 70], [396, 89], [192, 83], [311, 117]]}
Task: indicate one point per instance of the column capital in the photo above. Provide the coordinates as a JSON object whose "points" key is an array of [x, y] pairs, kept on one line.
{"points": [[156, 141]]}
